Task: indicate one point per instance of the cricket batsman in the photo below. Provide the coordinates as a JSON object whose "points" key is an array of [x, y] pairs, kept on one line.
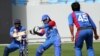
{"points": [[52, 36], [17, 33], [85, 28]]}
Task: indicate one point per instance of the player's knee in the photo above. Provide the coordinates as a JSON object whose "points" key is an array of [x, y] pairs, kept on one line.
{"points": [[77, 48], [6, 49], [40, 49], [89, 47], [57, 45]]}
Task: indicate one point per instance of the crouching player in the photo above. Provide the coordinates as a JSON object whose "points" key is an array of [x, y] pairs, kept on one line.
{"points": [[17, 33], [52, 36]]}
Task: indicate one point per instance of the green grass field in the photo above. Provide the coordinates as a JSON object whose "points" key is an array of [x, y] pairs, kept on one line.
{"points": [[67, 50]]}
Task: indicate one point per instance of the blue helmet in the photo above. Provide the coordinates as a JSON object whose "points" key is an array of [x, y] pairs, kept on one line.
{"points": [[17, 21], [44, 17]]}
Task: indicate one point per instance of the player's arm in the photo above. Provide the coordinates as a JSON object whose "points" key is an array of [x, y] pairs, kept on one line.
{"points": [[71, 30], [71, 27], [94, 28], [23, 32], [13, 32]]}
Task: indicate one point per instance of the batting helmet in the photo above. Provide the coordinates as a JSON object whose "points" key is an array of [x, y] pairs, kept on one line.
{"points": [[44, 17]]}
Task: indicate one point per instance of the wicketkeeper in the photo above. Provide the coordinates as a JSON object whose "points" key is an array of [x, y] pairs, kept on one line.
{"points": [[18, 35]]}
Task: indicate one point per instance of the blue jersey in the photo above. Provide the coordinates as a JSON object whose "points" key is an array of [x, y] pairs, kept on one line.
{"points": [[50, 31], [19, 30], [80, 19], [52, 38]]}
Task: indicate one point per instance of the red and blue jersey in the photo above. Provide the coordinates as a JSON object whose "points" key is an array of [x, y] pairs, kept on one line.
{"points": [[50, 29], [80, 19]]}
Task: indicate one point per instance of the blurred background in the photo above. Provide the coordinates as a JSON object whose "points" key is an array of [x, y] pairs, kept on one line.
{"points": [[31, 11]]}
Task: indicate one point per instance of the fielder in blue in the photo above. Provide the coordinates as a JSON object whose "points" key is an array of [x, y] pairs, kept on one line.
{"points": [[52, 36], [15, 44], [85, 28]]}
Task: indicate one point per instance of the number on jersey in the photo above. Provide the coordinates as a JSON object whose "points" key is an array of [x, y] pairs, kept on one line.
{"points": [[82, 17]]}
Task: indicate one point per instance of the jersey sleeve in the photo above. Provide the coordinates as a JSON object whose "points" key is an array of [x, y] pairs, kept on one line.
{"points": [[11, 31], [70, 20], [52, 23], [92, 23], [23, 29]]}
